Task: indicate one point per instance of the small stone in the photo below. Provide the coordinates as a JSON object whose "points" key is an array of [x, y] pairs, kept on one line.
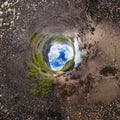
{"points": [[13, 10], [12, 22], [1, 20], [18, 13], [1, 12], [6, 3], [4, 23], [48, 118], [43, 0], [79, 113], [118, 105], [4, 75], [2, 6], [1, 95], [7, 24], [9, 9], [53, 2], [17, 18], [68, 118]]}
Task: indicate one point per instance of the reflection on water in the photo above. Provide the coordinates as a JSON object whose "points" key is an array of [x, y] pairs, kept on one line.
{"points": [[59, 55]]}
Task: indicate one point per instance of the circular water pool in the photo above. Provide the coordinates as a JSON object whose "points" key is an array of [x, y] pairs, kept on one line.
{"points": [[57, 53]]}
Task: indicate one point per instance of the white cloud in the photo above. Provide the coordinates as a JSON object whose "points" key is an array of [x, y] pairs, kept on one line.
{"points": [[78, 56], [60, 61], [56, 48]]}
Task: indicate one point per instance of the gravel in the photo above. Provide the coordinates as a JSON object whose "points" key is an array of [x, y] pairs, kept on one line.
{"points": [[18, 22]]}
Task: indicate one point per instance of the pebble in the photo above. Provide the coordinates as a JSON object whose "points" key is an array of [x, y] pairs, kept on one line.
{"points": [[1, 12], [1, 20], [12, 22], [118, 105], [1, 95], [48, 118], [2, 6], [43, 0], [4, 75], [6, 3], [68, 118], [9, 9]]}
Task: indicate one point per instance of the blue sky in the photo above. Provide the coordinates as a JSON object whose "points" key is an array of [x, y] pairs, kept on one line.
{"points": [[59, 54]]}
